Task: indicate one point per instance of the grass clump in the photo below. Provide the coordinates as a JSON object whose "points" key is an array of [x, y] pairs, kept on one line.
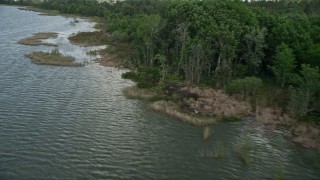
{"points": [[36, 39], [134, 92], [146, 77], [54, 58], [206, 133], [244, 151], [172, 109]]}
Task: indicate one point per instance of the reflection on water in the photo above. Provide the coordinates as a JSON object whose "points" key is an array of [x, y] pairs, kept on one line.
{"points": [[62, 122]]}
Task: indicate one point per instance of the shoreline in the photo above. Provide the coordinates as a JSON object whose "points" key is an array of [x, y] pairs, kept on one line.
{"points": [[300, 132], [54, 58], [106, 59], [205, 110]]}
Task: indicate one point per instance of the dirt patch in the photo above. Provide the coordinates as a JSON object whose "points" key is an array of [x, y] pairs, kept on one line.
{"points": [[302, 133], [109, 60], [36, 39], [272, 116], [307, 135], [212, 102], [53, 58]]}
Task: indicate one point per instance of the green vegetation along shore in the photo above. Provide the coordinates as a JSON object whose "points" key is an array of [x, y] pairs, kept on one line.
{"points": [[266, 53]]}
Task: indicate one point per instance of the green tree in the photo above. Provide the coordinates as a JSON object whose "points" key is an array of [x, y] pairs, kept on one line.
{"points": [[248, 86], [254, 49], [283, 64], [303, 97]]}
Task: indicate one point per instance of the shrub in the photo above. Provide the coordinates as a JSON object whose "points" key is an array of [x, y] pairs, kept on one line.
{"points": [[146, 77], [246, 86], [130, 75], [119, 36]]}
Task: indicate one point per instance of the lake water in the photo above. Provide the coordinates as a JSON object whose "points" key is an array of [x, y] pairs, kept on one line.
{"points": [[71, 123]]}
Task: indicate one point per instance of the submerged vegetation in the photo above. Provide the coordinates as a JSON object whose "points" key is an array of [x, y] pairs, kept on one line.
{"points": [[54, 58], [244, 152], [207, 133], [36, 39]]}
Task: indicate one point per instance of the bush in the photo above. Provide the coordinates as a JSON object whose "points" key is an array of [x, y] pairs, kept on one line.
{"points": [[145, 85], [119, 36], [146, 77], [149, 74], [130, 75], [246, 86]]}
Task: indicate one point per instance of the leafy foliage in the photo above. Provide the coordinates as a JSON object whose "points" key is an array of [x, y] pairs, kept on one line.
{"points": [[283, 64], [246, 86]]}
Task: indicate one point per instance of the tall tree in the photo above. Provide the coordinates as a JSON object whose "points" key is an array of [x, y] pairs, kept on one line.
{"points": [[254, 52], [283, 64], [303, 97]]}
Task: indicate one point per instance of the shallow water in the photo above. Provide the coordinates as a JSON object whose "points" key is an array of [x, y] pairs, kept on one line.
{"points": [[64, 122]]}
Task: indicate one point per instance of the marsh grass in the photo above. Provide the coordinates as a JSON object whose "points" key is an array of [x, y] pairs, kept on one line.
{"points": [[95, 38], [54, 58], [172, 109], [36, 39], [134, 92]]}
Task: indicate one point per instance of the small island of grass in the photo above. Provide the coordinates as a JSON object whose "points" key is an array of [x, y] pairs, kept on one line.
{"points": [[36, 39], [54, 58]]}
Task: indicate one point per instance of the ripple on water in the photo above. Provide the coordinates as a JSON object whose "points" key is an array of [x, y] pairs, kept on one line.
{"points": [[61, 122]]}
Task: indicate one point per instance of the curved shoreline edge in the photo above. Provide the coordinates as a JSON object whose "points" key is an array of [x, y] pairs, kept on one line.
{"points": [[302, 133], [272, 118]]}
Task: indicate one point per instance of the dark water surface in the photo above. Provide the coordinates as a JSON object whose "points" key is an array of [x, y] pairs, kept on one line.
{"points": [[63, 122]]}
